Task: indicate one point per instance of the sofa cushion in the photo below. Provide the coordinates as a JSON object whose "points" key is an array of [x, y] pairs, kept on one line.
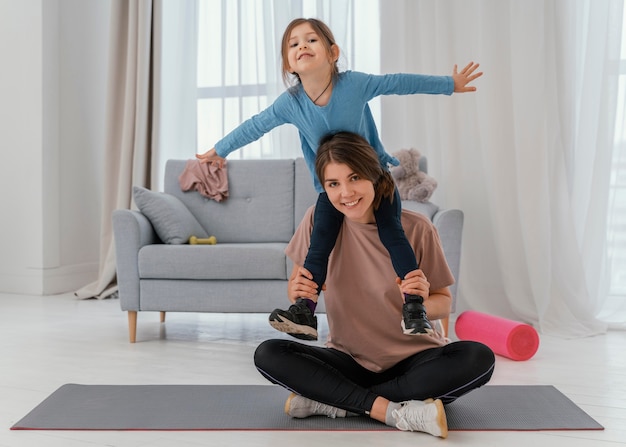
{"points": [[260, 200], [221, 261], [171, 219]]}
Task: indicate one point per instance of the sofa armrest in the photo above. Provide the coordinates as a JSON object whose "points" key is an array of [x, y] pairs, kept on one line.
{"points": [[131, 231], [449, 224]]}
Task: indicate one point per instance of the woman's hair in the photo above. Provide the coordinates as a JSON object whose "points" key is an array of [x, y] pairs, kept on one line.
{"points": [[324, 33], [353, 150]]}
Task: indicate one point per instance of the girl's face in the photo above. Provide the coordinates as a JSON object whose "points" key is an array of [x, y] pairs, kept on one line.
{"points": [[349, 193], [306, 52]]}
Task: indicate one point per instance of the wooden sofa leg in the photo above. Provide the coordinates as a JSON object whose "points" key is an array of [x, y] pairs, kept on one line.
{"points": [[132, 325], [162, 317]]}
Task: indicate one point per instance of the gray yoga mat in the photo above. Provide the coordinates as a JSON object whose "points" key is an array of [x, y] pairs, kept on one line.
{"points": [[260, 407]]}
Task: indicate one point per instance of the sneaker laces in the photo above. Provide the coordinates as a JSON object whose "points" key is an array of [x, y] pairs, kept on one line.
{"points": [[409, 420], [417, 416], [324, 409], [302, 407]]}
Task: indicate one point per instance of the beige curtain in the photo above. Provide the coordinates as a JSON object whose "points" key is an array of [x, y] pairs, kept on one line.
{"points": [[129, 125]]}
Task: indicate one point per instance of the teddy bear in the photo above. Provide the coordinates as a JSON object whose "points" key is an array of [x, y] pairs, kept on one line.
{"points": [[412, 183]]}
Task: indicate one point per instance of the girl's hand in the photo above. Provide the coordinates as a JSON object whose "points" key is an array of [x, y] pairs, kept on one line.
{"points": [[211, 157], [466, 76], [415, 283], [301, 285]]}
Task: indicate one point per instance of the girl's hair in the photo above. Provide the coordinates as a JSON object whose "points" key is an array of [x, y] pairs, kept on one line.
{"points": [[324, 33], [353, 150]]}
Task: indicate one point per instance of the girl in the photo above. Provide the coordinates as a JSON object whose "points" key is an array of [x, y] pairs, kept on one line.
{"points": [[366, 368], [323, 101]]}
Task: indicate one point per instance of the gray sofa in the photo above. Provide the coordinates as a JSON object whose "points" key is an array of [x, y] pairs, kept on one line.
{"points": [[247, 270]]}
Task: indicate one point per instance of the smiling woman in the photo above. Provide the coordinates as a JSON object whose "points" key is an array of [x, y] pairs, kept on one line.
{"points": [[368, 367]]}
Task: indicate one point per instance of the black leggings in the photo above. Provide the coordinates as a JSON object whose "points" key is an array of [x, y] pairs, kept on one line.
{"points": [[327, 222], [332, 377]]}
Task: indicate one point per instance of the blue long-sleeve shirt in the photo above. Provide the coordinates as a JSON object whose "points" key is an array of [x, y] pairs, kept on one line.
{"points": [[347, 111]]}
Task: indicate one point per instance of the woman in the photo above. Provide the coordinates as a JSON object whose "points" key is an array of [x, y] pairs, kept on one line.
{"points": [[367, 367]]}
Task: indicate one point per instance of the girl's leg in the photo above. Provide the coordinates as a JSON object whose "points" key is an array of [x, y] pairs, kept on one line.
{"points": [[299, 320], [391, 233], [327, 222], [444, 373]]}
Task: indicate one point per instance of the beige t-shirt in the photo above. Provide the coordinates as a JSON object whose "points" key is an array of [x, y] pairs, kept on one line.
{"points": [[363, 301]]}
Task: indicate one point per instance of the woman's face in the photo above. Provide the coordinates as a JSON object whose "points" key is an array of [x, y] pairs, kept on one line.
{"points": [[349, 193]]}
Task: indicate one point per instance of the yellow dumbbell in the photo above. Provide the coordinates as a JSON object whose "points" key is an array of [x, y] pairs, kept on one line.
{"points": [[203, 241]]}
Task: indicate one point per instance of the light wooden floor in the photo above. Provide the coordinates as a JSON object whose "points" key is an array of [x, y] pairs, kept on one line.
{"points": [[46, 342]]}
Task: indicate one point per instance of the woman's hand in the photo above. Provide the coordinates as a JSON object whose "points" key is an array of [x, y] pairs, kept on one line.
{"points": [[301, 285], [438, 302], [211, 157], [466, 76], [415, 283]]}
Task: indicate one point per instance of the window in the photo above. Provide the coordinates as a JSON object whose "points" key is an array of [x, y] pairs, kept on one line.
{"points": [[239, 62], [617, 196]]}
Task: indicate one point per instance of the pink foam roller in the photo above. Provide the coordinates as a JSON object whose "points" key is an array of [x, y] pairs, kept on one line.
{"points": [[512, 339]]}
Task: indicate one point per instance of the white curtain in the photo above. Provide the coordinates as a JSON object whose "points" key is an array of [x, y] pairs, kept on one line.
{"points": [[128, 127], [527, 156]]}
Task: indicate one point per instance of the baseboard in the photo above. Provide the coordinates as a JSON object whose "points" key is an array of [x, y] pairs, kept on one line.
{"points": [[50, 281]]}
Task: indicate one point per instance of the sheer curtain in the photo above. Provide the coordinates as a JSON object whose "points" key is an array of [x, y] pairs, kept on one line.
{"points": [[614, 310], [528, 157], [174, 84]]}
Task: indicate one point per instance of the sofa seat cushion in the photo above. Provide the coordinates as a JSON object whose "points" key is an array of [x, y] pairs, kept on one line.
{"points": [[222, 261]]}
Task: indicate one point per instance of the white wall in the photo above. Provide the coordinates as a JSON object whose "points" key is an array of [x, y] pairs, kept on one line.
{"points": [[52, 85]]}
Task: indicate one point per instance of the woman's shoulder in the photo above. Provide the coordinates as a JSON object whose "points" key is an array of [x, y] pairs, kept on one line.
{"points": [[414, 216], [415, 220], [307, 219]]}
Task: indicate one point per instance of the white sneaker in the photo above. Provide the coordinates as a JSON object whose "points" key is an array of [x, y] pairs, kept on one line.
{"points": [[426, 416], [298, 406]]}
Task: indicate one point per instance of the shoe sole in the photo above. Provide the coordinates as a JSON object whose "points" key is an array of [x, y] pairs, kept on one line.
{"points": [[442, 421], [288, 403], [299, 331], [406, 331]]}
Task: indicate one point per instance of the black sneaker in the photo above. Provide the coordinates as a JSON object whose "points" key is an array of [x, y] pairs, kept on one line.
{"points": [[414, 320], [297, 321]]}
